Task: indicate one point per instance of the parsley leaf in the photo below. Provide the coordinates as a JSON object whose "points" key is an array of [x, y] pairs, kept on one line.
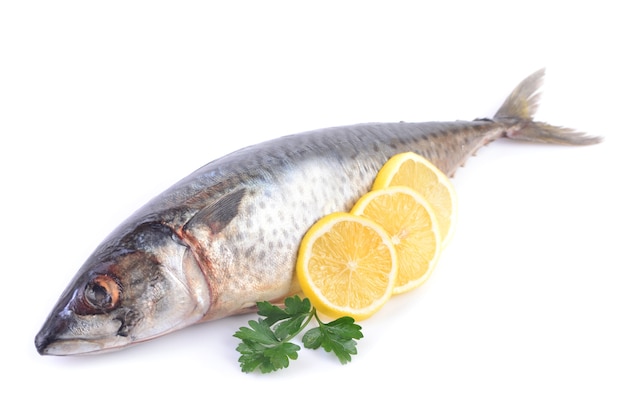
{"points": [[260, 348], [266, 344], [337, 337]]}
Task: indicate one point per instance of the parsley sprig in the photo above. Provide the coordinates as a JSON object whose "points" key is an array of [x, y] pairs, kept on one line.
{"points": [[267, 345]]}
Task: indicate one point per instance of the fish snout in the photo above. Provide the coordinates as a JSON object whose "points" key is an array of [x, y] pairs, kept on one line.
{"points": [[48, 334], [66, 333]]}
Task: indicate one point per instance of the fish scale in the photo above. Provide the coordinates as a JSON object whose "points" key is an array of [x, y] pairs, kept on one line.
{"points": [[227, 236]]}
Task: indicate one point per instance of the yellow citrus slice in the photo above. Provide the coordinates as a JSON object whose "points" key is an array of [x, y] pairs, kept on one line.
{"points": [[347, 266], [411, 222], [416, 172]]}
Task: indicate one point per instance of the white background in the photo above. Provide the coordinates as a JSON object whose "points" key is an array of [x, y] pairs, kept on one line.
{"points": [[103, 105]]}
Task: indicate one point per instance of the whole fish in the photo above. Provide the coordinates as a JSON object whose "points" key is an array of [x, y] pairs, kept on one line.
{"points": [[227, 235]]}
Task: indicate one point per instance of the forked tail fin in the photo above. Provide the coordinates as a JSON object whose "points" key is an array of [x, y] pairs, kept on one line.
{"points": [[521, 105]]}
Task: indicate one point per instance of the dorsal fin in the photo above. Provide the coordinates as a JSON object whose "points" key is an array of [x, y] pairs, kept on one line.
{"points": [[220, 213]]}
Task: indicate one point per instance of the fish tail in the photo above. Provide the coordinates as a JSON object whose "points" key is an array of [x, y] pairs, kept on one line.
{"points": [[519, 108]]}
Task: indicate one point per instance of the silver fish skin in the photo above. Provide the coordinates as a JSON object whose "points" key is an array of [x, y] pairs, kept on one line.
{"points": [[227, 236]]}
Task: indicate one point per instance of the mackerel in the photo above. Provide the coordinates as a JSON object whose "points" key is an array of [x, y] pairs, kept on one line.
{"points": [[227, 236]]}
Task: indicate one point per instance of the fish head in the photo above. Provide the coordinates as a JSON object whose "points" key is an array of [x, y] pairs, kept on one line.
{"points": [[141, 283]]}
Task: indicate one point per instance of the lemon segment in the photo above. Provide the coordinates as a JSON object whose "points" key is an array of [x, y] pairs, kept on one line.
{"points": [[347, 266], [412, 225], [415, 171]]}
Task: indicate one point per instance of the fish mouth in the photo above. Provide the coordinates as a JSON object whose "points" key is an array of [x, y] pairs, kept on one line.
{"points": [[63, 335], [69, 347], [48, 343]]}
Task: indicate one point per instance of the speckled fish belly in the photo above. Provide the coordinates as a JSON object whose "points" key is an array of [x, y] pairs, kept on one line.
{"points": [[227, 235]]}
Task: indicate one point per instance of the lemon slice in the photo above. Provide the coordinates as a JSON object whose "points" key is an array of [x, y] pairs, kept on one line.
{"points": [[347, 266], [411, 223], [416, 172]]}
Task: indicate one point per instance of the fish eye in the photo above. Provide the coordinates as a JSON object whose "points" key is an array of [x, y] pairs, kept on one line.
{"points": [[101, 294]]}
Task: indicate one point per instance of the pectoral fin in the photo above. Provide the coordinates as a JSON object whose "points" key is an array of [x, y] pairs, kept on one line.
{"points": [[219, 214]]}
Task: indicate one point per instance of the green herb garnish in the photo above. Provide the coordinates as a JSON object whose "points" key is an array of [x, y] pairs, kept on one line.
{"points": [[267, 345]]}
